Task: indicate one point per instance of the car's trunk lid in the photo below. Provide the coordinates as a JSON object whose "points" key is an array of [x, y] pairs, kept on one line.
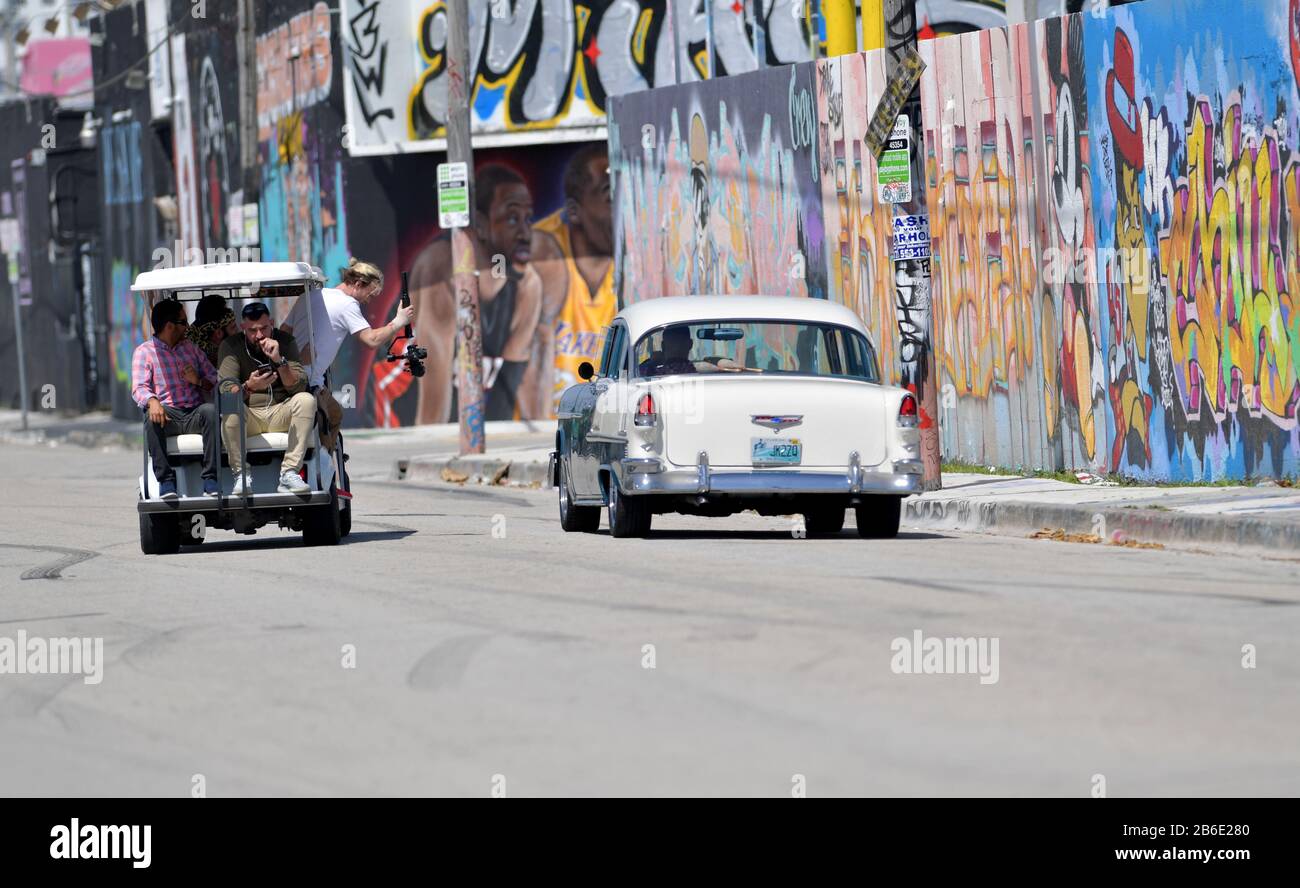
{"points": [[725, 415]]}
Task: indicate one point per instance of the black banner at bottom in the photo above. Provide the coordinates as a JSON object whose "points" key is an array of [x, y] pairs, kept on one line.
{"points": [[213, 836]]}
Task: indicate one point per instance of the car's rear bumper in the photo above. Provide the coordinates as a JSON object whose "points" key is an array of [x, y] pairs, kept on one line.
{"points": [[650, 476]]}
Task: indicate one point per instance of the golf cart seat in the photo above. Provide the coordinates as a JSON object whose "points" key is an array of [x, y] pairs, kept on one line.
{"points": [[192, 445]]}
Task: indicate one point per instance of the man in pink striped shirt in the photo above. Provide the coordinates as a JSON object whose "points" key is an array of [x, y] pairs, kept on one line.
{"points": [[170, 379]]}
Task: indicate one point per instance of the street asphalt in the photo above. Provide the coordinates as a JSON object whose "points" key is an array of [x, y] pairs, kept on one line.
{"points": [[493, 652]]}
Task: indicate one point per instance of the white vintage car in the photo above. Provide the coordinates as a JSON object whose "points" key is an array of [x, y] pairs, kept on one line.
{"points": [[709, 405]]}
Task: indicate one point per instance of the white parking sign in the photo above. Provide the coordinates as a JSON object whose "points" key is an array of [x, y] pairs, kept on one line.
{"points": [[453, 195]]}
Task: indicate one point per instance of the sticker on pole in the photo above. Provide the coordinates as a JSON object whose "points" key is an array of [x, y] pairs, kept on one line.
{"points": [[911, 237], [453, 195], [894, 170]]}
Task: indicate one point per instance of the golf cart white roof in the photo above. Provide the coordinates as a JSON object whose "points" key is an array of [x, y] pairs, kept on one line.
{"points": [[650, 314], [229, 275]]}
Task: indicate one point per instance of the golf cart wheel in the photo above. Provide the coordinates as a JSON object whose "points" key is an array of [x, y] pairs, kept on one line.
{"points": [[825, 520], [159, 534], [878, 519], [321, 525], [629, 516], [575, 519]]}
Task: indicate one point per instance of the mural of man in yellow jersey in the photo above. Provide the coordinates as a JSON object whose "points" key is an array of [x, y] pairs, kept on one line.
{"points": [[573, 254]]}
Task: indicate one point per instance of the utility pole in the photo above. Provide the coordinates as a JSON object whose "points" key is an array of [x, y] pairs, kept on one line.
{"points": [[464, 276], [841, 30], [246, 52], [873, 24]]}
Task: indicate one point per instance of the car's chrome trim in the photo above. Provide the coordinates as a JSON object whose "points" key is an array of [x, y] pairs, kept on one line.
{"points": [[909, 466], [700, 480], [702, 473], [254, 501], [641, 465], [607, 439], [776, 422]]}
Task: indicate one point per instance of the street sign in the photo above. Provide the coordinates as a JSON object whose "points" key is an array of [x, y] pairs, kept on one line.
{"points": [[453, 195], [900, 82], [911, 237], [894, 169]]}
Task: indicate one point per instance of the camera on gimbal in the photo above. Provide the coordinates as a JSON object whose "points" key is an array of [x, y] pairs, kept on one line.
{"points": [[415, 355]]}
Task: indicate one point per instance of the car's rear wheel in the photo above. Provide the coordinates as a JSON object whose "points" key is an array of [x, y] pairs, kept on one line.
{"points": [[629, 516], [575, 519], [320, 524], [159, 534], [824, 519], [878, 518]]}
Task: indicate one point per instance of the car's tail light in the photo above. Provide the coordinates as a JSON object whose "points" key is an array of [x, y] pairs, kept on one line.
{"points": [[645, 411], [907, 412]]}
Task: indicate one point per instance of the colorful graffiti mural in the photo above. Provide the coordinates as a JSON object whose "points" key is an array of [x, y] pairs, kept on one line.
{"points": [[988, 312], [544, 64], [1197, 215], [718, 195]]}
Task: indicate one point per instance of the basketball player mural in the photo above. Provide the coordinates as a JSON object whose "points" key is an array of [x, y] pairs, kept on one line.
{"points": [[510, 298], [573, 253]]}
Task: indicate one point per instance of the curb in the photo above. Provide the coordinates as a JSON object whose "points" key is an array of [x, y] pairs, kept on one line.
{"points": [[1170, 528], [493, 470]]}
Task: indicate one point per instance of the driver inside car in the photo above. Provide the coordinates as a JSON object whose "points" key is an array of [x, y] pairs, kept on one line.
{"points": [[674, 357]]}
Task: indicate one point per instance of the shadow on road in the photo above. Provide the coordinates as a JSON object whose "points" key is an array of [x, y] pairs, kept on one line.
{"points": [[291, 542], [848, 534]]}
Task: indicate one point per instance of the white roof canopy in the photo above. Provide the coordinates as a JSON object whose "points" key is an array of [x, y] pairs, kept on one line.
{"points": [[229, 275]]}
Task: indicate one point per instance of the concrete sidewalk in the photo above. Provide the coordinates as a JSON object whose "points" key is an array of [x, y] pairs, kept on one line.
{"points": [[1262, 519]]}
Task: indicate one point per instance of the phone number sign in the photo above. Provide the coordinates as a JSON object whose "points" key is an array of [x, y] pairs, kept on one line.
{"points": [[911, 237]]}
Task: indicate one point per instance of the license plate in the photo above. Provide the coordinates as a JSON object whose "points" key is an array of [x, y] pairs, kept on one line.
{"points": [[776, 451]]}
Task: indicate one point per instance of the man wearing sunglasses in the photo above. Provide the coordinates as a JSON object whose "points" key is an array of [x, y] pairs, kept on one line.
{"points": [[170, 379], [275, 391]]}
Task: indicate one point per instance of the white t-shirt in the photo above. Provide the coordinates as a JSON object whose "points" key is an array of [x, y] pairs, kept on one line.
{"points": [[334, 317]]}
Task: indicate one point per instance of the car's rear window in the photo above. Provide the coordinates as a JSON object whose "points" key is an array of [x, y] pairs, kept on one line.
{"points": [[788, 348]]}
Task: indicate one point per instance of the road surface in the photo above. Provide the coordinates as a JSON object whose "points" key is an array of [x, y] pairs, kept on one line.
{"points": [[492, 652]]}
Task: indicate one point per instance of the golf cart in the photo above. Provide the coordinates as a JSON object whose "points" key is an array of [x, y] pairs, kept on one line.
{"points": [[323, 514]]}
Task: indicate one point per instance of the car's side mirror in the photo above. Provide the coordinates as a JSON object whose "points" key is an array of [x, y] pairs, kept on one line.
{"points": [[586, 371]]}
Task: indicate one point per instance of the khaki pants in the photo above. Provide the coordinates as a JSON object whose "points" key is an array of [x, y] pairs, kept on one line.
{"points": [[333, 416], [295, 416]]}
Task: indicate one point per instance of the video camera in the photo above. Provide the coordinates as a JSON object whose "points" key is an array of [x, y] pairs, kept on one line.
{"points": [[415, 355]]}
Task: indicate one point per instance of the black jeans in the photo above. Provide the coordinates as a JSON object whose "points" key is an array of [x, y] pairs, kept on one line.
{"points": [[200, 420]]}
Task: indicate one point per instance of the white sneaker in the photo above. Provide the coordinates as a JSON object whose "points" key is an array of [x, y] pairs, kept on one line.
{"points": [[291, 483], [238, 489]]}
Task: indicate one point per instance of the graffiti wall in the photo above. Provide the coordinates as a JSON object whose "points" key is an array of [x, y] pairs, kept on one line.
{"points": [[718, 194], [133, 169], [1111, 213], [544, 64], [1007, 171], [1197, 118]]}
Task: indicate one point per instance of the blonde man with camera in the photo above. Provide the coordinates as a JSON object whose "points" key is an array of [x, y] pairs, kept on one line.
{"points": [[335, 315]]}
